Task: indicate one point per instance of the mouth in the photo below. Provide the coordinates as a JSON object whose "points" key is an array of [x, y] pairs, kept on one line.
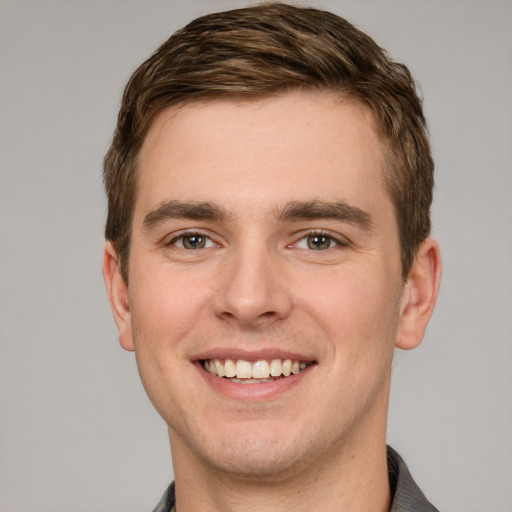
{"points": [[241, 371]]}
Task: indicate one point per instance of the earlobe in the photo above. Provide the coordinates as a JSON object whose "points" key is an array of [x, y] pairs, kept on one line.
{"points": [[419, 296], [117, 291]]}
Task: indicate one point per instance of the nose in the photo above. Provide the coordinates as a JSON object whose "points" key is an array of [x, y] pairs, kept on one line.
{"points": [[253, 287]]}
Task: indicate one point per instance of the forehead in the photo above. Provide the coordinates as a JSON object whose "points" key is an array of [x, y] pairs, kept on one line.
{"points": [[290, 147]]}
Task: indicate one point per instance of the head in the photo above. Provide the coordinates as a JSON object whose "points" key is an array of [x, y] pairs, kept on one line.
{"points": [[264, 51], [269, 188]]}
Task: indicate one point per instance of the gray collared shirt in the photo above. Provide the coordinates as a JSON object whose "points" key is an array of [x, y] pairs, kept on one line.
{"points": [[407, 496]]}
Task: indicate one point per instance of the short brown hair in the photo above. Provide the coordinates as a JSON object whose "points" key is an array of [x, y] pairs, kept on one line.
{"points": [[265, 50]]}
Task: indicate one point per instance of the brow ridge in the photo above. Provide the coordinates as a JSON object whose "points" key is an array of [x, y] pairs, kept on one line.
{"points": [[292, 211], [316, 209], [176, 209]]}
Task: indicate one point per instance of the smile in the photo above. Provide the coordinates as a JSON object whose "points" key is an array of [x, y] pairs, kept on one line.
{"points": [[247, 372]]}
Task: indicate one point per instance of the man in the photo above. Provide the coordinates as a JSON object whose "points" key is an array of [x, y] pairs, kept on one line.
{"points": [[269, 187]]}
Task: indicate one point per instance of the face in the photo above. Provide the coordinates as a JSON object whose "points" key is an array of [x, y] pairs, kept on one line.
{"points": [[264, 248]]}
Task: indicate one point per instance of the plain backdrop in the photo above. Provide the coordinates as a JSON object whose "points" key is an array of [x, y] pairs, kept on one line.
{"points": [[77, 433]]}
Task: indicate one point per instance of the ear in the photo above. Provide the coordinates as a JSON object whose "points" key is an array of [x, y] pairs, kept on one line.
{"points": [[419, 296], [117, 291]]}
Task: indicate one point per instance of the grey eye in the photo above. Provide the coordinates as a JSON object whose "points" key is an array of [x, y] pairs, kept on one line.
{"points": [[319, 242], [194, 241]]}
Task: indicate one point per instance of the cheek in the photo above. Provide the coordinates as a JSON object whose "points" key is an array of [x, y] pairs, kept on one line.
{"points": [[356, 307], [165, 311], [166, 306]]}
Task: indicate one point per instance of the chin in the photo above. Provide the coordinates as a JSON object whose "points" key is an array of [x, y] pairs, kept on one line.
{"points": [[256, 459], [261, 454]]}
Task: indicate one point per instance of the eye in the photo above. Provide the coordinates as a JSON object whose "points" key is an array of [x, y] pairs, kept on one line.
{"points": [[192, 241], [317, 242]]}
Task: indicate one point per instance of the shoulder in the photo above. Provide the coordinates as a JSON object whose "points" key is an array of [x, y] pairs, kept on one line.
{"points": [[166, 503], [407, 496]]}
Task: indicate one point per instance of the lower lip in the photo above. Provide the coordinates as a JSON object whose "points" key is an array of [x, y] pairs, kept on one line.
{"points": [[252, 392]]}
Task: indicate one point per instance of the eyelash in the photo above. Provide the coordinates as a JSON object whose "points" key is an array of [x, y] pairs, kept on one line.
{"points": [[188, 234], [339, 241]]}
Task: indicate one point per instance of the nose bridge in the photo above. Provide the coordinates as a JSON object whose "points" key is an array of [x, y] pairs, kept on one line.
{"points": [[253, 285]]}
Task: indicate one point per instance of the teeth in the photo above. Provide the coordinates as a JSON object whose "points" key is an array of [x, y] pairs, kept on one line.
{"points": [[220, 368], [253, 372], [212, 368], [229, 368], [251, 381], [243, 369], [276, 368], [260, 370]]}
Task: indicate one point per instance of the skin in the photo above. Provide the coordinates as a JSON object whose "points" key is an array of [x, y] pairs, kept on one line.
{"points": [[257, 290]]}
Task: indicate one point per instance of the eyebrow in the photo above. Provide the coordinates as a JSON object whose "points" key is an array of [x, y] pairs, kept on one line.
{"points": [[292, 211], [338, 210], [184, 210]]}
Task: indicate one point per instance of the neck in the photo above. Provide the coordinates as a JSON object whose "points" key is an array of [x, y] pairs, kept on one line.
{"points": [[346, 479]]}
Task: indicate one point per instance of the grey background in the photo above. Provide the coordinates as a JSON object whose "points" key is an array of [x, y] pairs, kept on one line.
{"points": [[77, 432]]}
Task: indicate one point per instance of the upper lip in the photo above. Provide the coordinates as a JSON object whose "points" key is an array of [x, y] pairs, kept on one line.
{"points": [[251, 355]]}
